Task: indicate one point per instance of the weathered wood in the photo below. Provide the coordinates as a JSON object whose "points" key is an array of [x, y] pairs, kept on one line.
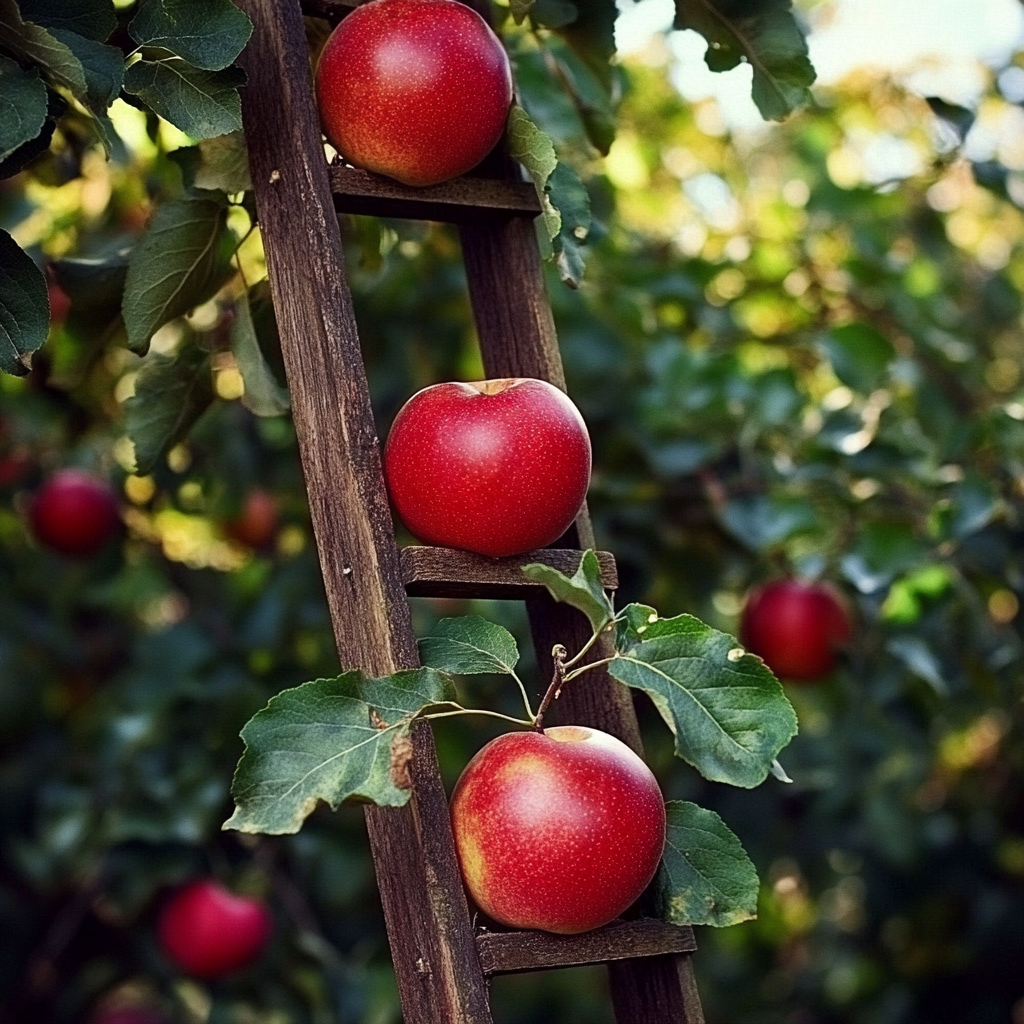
{"points": [[429, 927], [447, 572], [461, 200], [510, 952], [655, 990]]}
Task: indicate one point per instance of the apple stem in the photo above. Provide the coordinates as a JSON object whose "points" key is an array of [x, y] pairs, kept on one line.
{"points": [[558, 656]]}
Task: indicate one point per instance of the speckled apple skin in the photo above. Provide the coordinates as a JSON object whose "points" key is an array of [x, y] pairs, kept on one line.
{"points": [[554, 833], [496, 467], [796, 628], [74, 513], [415, 89]]}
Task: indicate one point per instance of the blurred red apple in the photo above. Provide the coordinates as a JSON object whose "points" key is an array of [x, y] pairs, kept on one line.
{"points": [[74, 513], [419, 90], [257, 522], [560, 830], [498, 467], [208, 931], [796, 628], [129, 1015], [60, 303]]}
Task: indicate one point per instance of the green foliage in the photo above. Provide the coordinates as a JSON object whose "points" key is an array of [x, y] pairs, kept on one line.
{"points": [[263, 395], [23, 307], [209, 35], [582, 590], [764, 34], [22, 106], [705, 875], [469, 645], [181, 261], [332, 740]]}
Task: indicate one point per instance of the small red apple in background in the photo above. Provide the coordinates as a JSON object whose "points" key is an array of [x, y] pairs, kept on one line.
{"points": [[560, 830], [796, 628], [74, 513], [419, 90], [208, 931], [498, 467], [257, 522]]}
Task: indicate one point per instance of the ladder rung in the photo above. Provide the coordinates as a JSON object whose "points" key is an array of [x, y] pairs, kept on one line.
{"points": [[461, 200], [448, 572], [507, 952]]}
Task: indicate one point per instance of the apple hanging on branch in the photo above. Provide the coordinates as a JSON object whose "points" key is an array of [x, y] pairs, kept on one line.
{"points": [[728, 713], [499, 467], [418, 90]]}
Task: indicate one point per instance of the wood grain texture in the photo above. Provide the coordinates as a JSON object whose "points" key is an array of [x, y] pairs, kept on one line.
{"points": [[429, 927], [457, 201], [447, 572], [655, 990], [510, 952]]}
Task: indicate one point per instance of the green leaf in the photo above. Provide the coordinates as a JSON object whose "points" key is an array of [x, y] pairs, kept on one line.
{"points": [[202, 104], [94, 19], [24, 307], [536, 152], [958, 118], [470, 645], [22, 106], [706, 876], [592, 94], [766, 35], [760, 521], [35, 44], [583, 590], [181, 261], [571, 199], [592, 37], [859, 355], [171, 393], [209, 35], [332, 740], [263, 395], [552, 13], [103, 67], [727, 711], [219, 164], [520, 9]]}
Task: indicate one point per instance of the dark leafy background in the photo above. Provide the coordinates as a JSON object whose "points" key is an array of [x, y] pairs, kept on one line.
{"points": [[827, 380]]}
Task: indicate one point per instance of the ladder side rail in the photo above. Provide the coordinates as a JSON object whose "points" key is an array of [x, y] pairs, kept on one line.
{"points": [[432, 943]]}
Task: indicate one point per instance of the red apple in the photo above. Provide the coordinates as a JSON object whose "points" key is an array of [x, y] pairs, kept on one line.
{"points": [[796, 628], [208, 931], [416, 89], [257, 522], [60, 303], [560, 830], [74, 513], [498, 467]]}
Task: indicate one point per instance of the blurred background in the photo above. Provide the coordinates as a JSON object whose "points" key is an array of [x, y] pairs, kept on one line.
{"points": [[798, 348]]}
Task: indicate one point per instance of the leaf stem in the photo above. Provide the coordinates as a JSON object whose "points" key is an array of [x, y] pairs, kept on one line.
{"points": [[460, 710], [590, 643], [590, 664], [526, 697]]}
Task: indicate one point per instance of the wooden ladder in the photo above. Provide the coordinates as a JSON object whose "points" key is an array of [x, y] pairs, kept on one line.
{"points": [[442, 964]]}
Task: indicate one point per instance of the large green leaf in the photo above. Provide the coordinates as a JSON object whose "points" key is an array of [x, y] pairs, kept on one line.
{"points": [[218, 164], [181, 261], [102, 65], [209, 35], [706, 876], [24, 307], [583, 590], [332, 740], [727, 711], [94, 19], [35, 44], [263, 395], [201, 103], [570, 197], [171, 393], [470, 645], [859, 355], [765, 34], [22, 106]]}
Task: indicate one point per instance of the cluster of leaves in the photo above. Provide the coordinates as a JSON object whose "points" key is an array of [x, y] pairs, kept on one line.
{"points": [[343, 739]]}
